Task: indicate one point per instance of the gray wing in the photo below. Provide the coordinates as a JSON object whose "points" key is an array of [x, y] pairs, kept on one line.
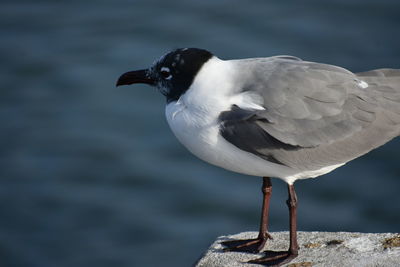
{"points": [[308, 104], [308, 107]]}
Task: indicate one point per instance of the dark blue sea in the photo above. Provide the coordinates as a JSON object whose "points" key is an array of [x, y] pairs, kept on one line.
{"points": [[91, 175]]}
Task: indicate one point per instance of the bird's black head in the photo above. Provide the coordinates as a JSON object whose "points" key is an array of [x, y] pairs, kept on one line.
{"points": [[172, 74]]}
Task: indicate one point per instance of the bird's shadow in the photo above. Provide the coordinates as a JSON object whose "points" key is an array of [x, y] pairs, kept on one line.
{"points": [[274, 258], [266, 257], [243, 245]]}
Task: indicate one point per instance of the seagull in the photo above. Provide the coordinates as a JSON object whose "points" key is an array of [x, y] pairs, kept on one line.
{"points": [[277, 116]]}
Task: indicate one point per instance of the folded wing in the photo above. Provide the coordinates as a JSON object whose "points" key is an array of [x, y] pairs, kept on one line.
{"points": [[309, 107]]}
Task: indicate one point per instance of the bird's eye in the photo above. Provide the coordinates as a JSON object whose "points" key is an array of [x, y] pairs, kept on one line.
{"points": [[165, 73]]}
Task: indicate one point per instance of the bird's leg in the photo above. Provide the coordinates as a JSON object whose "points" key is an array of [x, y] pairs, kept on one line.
{"points": [[263, 232], [257, 244], [292, 204], [278, 258]]}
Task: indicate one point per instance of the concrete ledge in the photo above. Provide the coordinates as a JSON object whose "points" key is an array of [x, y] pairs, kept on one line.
{"points": [[316, 249]]}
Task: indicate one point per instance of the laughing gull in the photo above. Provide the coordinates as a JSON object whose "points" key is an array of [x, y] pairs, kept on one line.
{"points": [[277, 116]]}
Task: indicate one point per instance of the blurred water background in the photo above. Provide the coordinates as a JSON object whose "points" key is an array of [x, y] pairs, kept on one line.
{"points": [[91, 175]]}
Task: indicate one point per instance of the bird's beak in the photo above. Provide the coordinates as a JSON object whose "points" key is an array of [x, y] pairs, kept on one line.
{"points": [[137, 76]]}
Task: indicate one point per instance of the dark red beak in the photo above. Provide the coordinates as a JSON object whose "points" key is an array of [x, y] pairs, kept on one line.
{"points": [[137, 76]]}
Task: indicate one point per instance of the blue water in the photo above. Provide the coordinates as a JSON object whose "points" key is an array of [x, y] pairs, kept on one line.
{"points": [[90, 175]]}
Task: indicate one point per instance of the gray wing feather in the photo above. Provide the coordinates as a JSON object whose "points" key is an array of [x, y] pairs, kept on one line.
{"points": [[315, 115], [312, 106]]}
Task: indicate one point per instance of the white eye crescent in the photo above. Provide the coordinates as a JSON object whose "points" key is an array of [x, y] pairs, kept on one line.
{"points": [[165, 73]]}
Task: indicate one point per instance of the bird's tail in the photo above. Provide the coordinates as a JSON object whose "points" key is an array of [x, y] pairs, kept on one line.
{"points": [[384, 86]]}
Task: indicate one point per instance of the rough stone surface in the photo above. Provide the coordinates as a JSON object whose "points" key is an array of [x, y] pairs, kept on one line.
{"points": [[316, 249]]}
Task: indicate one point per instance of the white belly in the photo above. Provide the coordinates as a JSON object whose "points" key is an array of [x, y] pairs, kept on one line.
{"points": [[198, 132]]}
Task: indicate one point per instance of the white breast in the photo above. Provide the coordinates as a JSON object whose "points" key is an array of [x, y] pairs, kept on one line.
{"points": [[194, 121]]}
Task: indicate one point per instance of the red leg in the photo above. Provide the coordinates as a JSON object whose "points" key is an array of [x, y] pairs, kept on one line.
{"points": [[292, 204], [257, 244], [278, 258]]}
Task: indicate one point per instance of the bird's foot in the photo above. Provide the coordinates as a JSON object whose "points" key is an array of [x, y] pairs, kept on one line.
{"points": [[247, 245], [275, 258]]}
